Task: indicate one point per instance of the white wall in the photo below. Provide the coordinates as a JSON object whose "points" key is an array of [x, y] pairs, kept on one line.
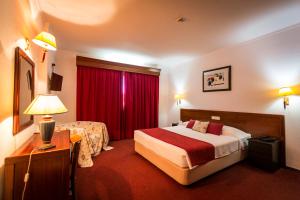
{"points": [[259, 68], [163, 97], [66, 66], [16, 24]]}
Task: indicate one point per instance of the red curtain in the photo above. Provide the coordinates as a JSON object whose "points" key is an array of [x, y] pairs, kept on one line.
{"points": [[141, 102], [99, 98], [123, 101]]}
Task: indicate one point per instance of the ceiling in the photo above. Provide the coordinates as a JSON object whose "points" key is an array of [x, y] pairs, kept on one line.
{"points": [[145, 32]]}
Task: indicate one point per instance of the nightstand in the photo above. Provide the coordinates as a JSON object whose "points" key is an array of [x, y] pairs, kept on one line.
{"points": [[49, 170], [264, 152], [175, 124]]}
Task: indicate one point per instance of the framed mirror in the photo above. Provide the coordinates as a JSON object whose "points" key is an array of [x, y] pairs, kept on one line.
{"points": [[23, 90]]}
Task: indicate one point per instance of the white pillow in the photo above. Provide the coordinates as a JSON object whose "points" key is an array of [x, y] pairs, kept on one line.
{"points": [[231, 131], [183, 123], [200, 126], [237, 133]]}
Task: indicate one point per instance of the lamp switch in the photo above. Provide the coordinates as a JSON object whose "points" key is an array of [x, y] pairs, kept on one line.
{"points": [[216, 117]]}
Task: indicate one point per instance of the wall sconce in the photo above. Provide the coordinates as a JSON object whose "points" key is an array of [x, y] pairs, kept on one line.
{"points": [[285, 92], [24, 44], [178, 98], [27, 47], [46, 41]]}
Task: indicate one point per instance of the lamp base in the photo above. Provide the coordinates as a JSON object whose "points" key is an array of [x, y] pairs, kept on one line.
{"points": [[46, 146], [47, 125]]}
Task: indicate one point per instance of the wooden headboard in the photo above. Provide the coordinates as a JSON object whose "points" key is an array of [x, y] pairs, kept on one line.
{"points": [[253, 123]]}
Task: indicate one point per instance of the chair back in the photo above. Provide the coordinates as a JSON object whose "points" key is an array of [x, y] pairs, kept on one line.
{"points": [[74, 158]]}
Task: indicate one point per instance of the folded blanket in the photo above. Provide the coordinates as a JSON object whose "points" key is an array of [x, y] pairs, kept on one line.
{"points": [[199, 152]]}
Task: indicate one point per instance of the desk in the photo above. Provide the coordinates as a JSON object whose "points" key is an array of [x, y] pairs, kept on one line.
{"points": [[49, 170]]}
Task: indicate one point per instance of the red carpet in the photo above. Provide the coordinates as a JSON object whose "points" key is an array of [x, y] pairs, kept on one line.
{"points": [[122, 174]]}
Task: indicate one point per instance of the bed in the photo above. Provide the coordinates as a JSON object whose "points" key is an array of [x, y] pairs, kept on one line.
{"points": [[94, 138], [229, 149]]}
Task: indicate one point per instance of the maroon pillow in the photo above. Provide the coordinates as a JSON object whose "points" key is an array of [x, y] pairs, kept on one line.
{"points": [[214, 128], [191, 123]]}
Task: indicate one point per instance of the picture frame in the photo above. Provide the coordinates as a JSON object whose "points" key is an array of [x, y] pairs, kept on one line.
{"points": [[23, 90], [218, 79]]}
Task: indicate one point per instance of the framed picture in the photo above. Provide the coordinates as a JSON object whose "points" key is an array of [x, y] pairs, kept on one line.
{"points": [[218, 79]]}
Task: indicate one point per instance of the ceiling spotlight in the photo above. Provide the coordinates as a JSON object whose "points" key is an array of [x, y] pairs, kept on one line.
{"points": [[181, 19]]}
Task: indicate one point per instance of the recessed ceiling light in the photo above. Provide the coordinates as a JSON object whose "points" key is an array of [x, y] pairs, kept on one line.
{"points": [[181, 19]]}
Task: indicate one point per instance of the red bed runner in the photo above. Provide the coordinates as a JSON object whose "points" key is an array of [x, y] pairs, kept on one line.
{"points": [[198, 151]]}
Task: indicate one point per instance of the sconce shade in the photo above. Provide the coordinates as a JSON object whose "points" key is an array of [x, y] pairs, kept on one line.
{"points": [[285, 91], [45, 40], [178, 96], [46, 104]]}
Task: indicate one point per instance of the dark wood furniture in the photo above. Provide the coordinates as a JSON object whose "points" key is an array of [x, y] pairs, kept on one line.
{"points": [[49, 170], [255, 124], [91, 62], [175, 124], [74, 162], [23, 90], [264, 152]]}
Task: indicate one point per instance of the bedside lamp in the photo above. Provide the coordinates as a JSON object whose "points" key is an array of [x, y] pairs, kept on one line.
{"points": [[285, 92], [46, 105], [46, 41]]}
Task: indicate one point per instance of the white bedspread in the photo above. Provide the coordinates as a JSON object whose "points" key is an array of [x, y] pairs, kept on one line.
{"points": [[224, 144]]}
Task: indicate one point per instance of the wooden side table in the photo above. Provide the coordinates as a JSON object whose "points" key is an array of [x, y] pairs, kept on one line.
{"points": [[264, 152], [49, 170], [175, 124]]}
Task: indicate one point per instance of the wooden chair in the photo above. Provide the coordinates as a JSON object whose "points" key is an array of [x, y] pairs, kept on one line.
{"points": [[74, 161]]}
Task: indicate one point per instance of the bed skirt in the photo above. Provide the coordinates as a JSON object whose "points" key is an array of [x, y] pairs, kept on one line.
{"points": [[186, 176]]}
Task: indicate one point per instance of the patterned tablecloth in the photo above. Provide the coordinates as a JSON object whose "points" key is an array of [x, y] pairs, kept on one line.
{"points": [[94, 138]]}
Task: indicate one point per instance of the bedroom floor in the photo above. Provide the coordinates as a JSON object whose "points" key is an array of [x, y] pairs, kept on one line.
{"points": [[122, 174]]}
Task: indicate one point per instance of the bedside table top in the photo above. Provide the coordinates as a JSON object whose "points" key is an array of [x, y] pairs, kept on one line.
{"points": [[60, 139], [269, 140]]}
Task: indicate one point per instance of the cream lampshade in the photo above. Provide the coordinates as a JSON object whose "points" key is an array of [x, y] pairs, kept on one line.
{"points": [[46, 105], [46, 41], [285, 91]]}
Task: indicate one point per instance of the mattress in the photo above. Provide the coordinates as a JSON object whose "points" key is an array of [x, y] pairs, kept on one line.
{"points": [[224, 144]]}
